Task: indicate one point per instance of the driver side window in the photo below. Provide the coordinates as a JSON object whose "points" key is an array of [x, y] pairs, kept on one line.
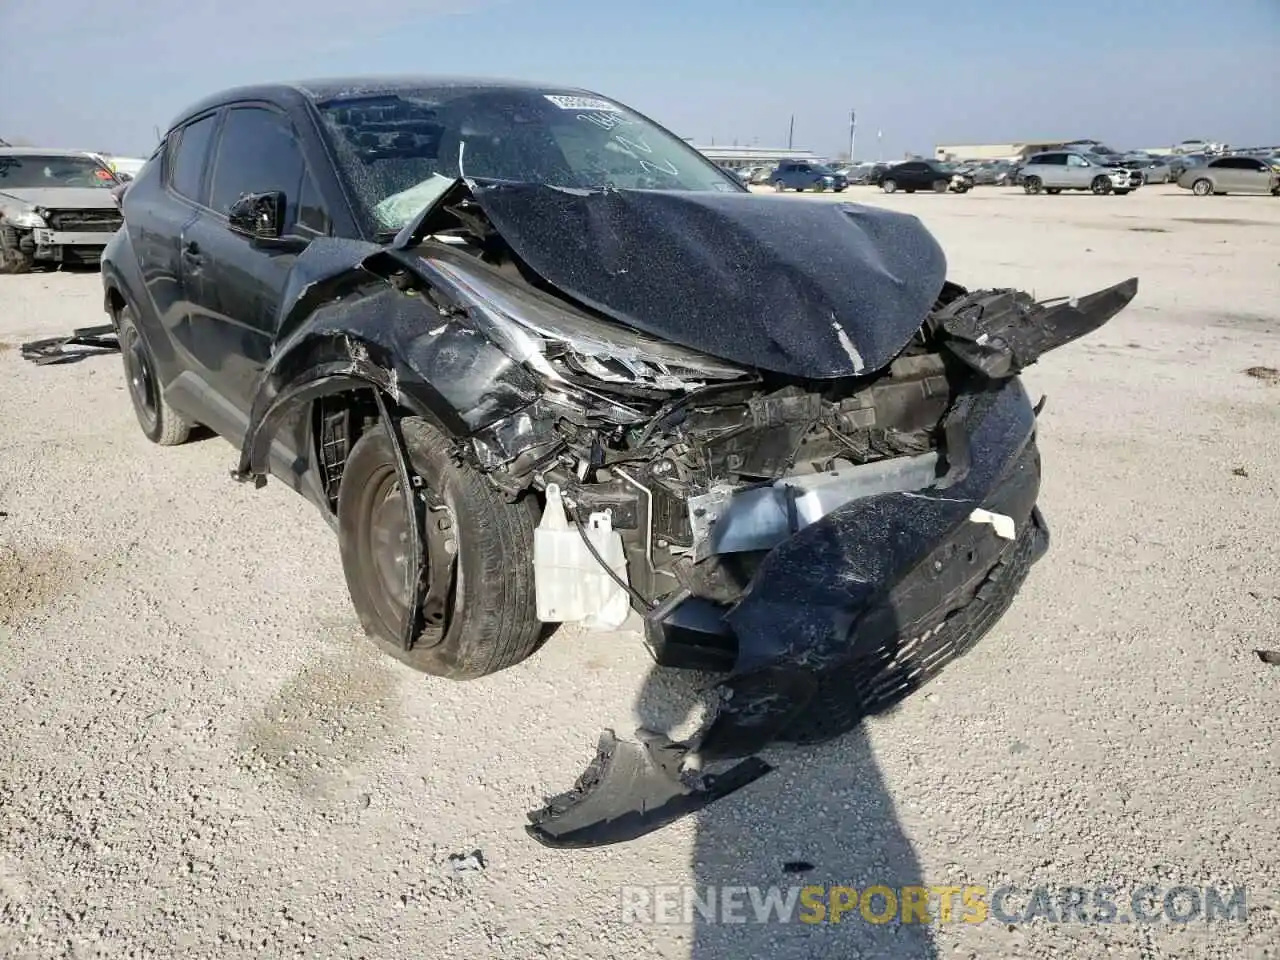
{"points": [[257, 152]]}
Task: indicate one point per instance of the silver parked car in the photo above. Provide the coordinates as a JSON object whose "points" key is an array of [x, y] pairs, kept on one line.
{"points": [[1232, 175], [56, 206], [1060, 170], [1156, 170]]}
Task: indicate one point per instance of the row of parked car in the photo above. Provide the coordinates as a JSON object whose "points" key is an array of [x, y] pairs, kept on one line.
{"points": [[1088, 166]]}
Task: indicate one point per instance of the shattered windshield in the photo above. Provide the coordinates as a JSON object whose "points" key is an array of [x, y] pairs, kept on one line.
{"points": [[29, 172], [402, 150]]}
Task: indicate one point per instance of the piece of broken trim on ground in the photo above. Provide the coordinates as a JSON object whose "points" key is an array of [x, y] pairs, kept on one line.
{"points": [[90, 341]]}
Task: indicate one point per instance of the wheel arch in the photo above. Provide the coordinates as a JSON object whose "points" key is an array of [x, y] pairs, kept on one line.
{"points": [[388, 345]]}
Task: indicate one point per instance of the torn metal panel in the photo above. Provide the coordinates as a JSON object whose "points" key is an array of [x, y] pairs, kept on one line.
{"points": [[377, 335]]}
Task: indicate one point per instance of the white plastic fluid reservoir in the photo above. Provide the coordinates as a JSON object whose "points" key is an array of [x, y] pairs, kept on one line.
{"points": [[570, 584]]}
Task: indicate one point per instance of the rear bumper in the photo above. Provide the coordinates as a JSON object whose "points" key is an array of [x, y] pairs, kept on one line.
{"points": [[872, 599]]}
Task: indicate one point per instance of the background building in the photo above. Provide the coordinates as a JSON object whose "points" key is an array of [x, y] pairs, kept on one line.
{"points": [[736, 158], [995, 151]]}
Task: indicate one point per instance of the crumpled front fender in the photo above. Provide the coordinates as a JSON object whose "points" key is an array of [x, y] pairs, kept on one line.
{"points": [[343, 323]]}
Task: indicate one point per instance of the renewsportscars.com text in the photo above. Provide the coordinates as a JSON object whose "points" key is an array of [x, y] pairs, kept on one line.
{"points": [[969, 903]]}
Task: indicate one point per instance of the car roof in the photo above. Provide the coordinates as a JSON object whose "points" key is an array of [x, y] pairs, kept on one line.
{"points": [[42, 152], [320, 89]]}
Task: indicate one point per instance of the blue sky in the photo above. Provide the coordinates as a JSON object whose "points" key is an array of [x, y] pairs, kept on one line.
{"points": [[1134, 73]]}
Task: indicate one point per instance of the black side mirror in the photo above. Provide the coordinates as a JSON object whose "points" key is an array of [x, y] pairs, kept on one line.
{"points": [[259, 216]]}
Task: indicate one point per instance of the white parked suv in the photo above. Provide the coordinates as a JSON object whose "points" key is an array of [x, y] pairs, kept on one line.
{"points": [[1061, 170]]}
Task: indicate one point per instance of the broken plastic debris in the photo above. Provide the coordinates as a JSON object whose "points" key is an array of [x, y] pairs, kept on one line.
{"points": [[1003, 524], [466, 862]]}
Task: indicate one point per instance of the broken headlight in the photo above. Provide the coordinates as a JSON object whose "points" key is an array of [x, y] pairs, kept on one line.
{"points": [[566, 345], [29, 219]]}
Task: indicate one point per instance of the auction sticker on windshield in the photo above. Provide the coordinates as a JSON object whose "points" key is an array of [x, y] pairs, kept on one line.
{"points": [[565, 102]]}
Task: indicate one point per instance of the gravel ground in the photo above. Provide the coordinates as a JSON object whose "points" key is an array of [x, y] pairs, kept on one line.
{"points": [[203, 757]]}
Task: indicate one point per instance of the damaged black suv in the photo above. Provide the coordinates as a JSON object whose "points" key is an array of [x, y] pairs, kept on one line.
{"points": [[536, 359]]}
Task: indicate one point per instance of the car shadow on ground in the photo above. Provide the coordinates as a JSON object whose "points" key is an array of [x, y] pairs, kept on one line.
{"points": [[823, 818]]}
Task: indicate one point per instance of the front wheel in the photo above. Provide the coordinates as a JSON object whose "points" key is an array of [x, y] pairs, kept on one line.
{"points": [[13, 259], [1202, 188], [889, 186], [476, 546], [779, 186], [160, 423]]}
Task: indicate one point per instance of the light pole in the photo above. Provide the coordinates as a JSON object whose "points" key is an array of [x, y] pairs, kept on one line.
{"points": [[853, 132]]}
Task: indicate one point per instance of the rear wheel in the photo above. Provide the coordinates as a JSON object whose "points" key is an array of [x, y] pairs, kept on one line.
{"points": [[1202, 188], [939, 186], [889, 186], [477, 544], [1032, 184], [160, 423], [1101, 185]]}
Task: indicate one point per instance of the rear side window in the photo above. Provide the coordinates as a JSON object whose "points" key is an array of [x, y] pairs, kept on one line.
{"points": [[186, 163], [257, 153]]}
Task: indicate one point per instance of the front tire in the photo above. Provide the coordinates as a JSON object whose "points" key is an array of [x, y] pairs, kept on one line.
{"points": [[490, 618], [779, 186], [13, 259], [160, 423]]}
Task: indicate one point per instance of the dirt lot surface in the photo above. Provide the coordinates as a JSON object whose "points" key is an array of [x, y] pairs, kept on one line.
{"points": [[202, 756]]}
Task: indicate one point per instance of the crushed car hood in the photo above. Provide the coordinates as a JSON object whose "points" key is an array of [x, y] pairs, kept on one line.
{"points": [[808, 289], [61, 198]]}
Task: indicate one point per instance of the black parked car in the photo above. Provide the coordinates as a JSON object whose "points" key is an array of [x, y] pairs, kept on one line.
{"points": [[925, 175], [512, 342]]}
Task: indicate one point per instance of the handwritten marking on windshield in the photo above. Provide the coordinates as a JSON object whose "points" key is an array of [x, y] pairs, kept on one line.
{"points": [[631, 146]]}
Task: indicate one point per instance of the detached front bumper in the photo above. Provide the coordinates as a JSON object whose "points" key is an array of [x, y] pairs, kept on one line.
{"points": [[863, 585], [84, 245], [842, 620]]}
